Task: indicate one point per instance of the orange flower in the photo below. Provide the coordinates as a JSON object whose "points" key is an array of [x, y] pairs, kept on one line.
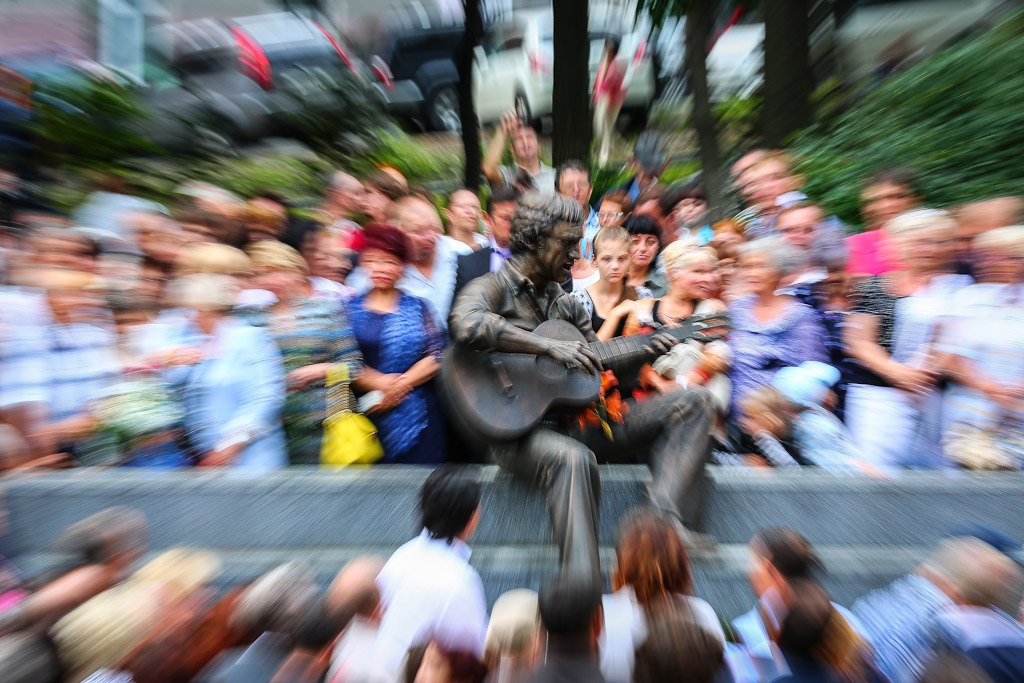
{"points": [[616, 407]]}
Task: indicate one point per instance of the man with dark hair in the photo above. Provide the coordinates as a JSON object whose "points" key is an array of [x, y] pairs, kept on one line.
{"points": [[570, 611], [528, 171], [428, 590], [657, 203], [649, 161], [783, 563], [498, 217], [499, 311], [573, 181]]}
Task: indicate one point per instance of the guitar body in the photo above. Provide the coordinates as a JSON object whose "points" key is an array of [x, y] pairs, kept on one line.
{"points": [[502, 396]]}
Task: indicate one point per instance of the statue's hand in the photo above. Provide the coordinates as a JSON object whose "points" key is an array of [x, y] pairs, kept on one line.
{"points": [[574, 354], [661, 343]]}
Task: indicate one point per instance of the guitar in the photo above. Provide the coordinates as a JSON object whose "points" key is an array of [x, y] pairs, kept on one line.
{"points": [[502, 396]]}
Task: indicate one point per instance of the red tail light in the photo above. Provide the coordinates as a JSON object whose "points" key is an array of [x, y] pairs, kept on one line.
{"points": [[539, 62], [252, 60], [641, 52], [382, 71], [341, 53], [15, 88]]}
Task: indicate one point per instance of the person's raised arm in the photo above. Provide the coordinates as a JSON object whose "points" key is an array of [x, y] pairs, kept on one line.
{"points": [[492, 159]]}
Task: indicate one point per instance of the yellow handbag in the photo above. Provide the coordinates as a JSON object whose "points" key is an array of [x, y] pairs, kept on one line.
{"points": [[350, 438]]}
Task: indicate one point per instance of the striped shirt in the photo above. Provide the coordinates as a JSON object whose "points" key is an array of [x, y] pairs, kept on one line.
{"points": [[900, 620], [81, 361], [23, 320]]}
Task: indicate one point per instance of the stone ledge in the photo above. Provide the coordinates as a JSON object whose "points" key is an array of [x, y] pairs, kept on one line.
{"points": [[308, 507]]}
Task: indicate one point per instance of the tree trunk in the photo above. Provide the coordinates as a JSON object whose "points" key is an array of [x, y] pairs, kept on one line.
{"points": [[787, 71], [698, 35], [467, 113], [571, 87]]}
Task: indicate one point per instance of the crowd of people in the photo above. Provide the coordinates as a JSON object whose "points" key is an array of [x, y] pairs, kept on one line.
{"points": [[421, 615], [241, 332], [228, 331]]}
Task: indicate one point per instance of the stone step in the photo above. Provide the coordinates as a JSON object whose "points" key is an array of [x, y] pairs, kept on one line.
{"points": [[914, 508], [300, 507], [720, 578], [378, 506]]}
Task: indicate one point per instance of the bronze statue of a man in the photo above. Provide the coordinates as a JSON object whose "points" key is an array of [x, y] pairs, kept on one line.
{"points": [[498, 313]]}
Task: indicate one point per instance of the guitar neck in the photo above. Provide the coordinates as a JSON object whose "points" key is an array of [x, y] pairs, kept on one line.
{"points": [[634, 347]]}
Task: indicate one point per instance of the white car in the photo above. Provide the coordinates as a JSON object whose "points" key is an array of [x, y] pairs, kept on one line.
{"points": [[872, 31], [864, 34], [513, 67]]}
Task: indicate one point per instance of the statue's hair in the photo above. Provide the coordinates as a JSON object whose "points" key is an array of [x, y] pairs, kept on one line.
{"points": [[536, 216]]}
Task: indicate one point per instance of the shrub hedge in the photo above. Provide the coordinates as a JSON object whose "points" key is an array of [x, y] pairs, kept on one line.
{"points": [[957, 118]]}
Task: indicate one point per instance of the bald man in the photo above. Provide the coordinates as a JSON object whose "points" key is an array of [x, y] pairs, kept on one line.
{"points": [[343, 196], [978, 217], [902, 619], [354, 598]]}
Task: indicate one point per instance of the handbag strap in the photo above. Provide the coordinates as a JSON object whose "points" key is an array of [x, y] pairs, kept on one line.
{"points": [[339, 391]]}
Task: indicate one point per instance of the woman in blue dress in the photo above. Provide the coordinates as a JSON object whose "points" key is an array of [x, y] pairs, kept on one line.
{"points": [[402, 346]]}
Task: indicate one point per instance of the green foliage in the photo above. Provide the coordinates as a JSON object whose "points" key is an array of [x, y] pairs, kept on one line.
{"points": [[737, 119], [289, 176], [301, 180], [956, 118], [680, 173], [605, 179], [87, 122], [659, 10], [423, 160], [338, 116]]}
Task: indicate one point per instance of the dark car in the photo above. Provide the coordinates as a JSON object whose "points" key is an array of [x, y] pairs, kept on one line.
{"points": [[425, 79], [32, 78], [252, 75]]}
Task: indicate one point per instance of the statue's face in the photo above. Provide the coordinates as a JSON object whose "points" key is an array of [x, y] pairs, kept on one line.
{"points": [[558, 252]]}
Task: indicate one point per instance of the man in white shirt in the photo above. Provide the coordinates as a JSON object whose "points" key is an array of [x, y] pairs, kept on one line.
{"points": [[428, 590]]}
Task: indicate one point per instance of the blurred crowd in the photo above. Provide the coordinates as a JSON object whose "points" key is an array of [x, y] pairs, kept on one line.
{"points": [[246, 332], [421, 615]]}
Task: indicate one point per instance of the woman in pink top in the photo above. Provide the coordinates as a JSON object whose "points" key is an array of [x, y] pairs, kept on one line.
{"points": [[609, 94], [889, 193]]}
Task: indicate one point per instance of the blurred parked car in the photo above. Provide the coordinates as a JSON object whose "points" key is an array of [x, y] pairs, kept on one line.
{"points": [[253, 75], [513, 66], [875, 35], [852, 39], [56, 79], [421, 62]]}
